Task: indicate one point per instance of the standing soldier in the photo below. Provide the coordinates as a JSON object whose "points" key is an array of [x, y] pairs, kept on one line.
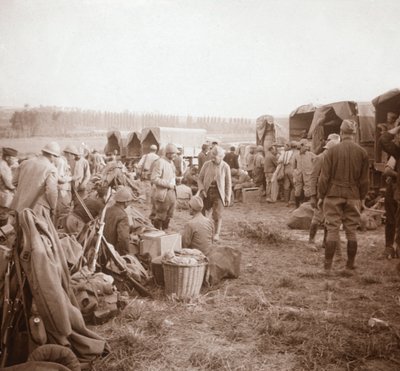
{"points": [[215, 187], [81, 174], [202, 156], [7, 187], [287, 161], [145, 166], [37, 183], [164, 193], [318, 217], [342, 186], [303, 166], [270, 163], [249, 160], [232, 159], [259, 177]]}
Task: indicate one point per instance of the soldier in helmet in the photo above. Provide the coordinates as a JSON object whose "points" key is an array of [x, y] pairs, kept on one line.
{"points": [[164, 192], [116, 222], [37, 183]]}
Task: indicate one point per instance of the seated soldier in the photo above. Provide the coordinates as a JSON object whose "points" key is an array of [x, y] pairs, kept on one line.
{"points": [[198, 232], [76, 220], [190, 178], [240, 180], [183, 195], [116, 222]]}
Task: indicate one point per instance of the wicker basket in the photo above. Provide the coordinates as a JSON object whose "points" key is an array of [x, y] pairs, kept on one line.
{"points": [[183, 281]]}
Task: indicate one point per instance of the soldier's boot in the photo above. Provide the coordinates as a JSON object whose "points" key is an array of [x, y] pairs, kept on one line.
{"points": [[351, 254], [165, 224], [297, 200], [324, 240], [286, 196], [313, 232], [330, 248], [158, 224]]}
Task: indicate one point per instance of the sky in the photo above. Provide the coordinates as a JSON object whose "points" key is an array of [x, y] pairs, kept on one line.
{"points": [[232, 58]]}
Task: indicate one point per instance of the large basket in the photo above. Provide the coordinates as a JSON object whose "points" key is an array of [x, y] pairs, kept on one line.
{"points": [[183, 281]]}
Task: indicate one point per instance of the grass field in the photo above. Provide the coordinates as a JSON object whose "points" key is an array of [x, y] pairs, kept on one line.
{"points": [[282, 313]]}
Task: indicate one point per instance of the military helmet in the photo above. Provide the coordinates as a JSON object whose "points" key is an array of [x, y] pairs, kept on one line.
{"points": [[123, 195], [70, 148], [52, 148]]}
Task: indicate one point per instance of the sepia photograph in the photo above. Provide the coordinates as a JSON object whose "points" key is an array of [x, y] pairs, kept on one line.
{"points": [[199, 185]]}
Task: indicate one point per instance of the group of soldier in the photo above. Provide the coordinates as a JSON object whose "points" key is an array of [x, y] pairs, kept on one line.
{"points": [[335, 183]]}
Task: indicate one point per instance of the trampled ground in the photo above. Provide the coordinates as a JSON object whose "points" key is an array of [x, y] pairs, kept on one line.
{"points": [[282, 313]]}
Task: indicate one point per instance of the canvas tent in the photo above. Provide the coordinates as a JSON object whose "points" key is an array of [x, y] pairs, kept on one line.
{"points": [[190, 139], [265, 131], [328, 118], [387, 102], [133, 146], [114, 142], [300, 121]]}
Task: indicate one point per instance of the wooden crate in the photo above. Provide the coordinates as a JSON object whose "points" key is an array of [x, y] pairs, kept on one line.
{"points": [[250, 195], [157, 245]]}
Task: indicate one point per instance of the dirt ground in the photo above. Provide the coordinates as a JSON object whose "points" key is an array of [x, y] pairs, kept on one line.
{"points": [[282, 313]]}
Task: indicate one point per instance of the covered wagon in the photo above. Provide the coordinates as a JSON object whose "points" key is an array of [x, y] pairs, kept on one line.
{"points": [[300, 121], [190, 140], [114, 142], [133, 145]]}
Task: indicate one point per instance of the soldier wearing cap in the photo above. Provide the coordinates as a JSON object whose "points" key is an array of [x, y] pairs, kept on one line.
{"points": [[303, 166], [232, 159], [37, 183], [163, 179], [342, 186], [116, 222], [215, 187], [198, 232], [7, 187]]}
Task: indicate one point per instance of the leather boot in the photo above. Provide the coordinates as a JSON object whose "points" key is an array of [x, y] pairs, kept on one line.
{"points": [[313, 232], [351, 254], [158, 224], [165, 224], [330, 248], [324, 240], [297, 200]]}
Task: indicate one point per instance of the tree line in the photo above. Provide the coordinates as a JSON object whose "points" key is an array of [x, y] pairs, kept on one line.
{"points": [[53, 121]]}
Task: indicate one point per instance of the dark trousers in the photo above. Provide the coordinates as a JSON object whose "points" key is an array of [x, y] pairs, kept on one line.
{"points": [[392, 219]]}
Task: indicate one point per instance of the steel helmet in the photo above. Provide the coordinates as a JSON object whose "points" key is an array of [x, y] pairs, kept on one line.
{"points": [[153, 147], [123, 195], [171, 148], [52, 148], [70, 148]]}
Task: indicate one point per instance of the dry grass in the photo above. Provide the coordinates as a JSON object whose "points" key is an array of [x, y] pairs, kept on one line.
{"points": [[283, 313]]}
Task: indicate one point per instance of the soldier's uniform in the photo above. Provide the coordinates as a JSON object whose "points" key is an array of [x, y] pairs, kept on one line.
{"points": [[303, 164], [164, 195], [6, 179], [342, 185]]}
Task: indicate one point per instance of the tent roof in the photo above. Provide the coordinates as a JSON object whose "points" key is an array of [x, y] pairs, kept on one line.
{"points": [[132, 135], [173, 135], [114, 132], [386, 97], [305, 108]]}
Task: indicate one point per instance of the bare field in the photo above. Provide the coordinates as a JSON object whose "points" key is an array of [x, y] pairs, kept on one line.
{"points": [[282, 313]]}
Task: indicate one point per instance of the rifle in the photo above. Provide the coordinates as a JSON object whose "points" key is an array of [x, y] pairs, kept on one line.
{"points": [[136, 285], [92, 266]]}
